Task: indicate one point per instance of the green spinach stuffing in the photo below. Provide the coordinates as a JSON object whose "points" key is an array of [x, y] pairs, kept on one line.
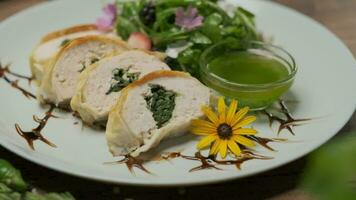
{"points": [[64, 42], [161, 103], [122, 78]]}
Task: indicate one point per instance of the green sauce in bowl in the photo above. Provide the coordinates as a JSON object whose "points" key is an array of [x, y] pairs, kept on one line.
{"points": [[248, 68], [256, 76]]}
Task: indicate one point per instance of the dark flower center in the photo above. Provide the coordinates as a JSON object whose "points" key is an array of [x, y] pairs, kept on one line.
{"points": [[224, 131]]}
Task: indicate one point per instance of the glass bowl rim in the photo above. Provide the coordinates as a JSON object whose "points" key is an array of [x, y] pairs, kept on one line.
{"points": [[223, 82]]}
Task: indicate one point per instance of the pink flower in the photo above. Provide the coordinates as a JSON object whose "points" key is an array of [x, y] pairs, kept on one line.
{"points": [[107, 20], [188, 19]]}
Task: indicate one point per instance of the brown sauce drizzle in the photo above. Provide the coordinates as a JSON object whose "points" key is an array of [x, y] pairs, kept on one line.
{"points": [[206, 162], [284, 123], [35, 134], [211, 162], [14, 83], [131, 163], [265, 141]]}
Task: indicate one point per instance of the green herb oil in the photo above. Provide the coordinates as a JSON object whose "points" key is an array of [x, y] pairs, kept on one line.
{"points": [[248, 68]]}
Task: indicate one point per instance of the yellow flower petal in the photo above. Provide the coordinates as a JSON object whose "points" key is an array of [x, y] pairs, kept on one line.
{"points": [[210, 114], [221, 105], [245, 131], [247, 120], [215, 148], [231, 112], [234, 148], [239, 115], [222, 118], [203, 123], [223, 148], [243, 140], [203, 131], [206, 141]]}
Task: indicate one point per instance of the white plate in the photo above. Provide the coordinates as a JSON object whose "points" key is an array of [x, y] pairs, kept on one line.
{"points": [[325, 89]]}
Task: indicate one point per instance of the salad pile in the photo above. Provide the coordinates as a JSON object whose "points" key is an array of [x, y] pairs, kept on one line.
{"points": [[183, 28]]}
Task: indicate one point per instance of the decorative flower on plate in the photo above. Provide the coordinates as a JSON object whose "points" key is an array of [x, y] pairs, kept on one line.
{"points": [[224, 131], [188, 19], [107, 20]]}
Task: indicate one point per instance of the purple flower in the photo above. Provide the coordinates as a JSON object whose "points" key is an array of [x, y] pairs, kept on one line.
{"points": [[107, 20], [188, 19]]}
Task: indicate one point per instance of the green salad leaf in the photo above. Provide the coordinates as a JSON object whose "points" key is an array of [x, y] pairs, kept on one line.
{"points": [[331, 171], [13, 187], [7, 193], [157, 20], [11, 177], [49, 196]]}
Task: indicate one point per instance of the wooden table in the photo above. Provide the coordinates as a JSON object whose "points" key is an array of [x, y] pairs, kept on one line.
{"points": [[338, 15]]}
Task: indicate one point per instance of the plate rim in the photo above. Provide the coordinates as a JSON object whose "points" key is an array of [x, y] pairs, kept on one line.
{"points": [[126, 181]]}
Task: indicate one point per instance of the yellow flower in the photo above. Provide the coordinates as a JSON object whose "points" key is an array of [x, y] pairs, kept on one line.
{"points": [[224, 131]]}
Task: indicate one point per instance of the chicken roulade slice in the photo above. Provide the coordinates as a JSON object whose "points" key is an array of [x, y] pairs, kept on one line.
{"points": [[62, 75], [100, 84], [159, 105], [51, 44]]}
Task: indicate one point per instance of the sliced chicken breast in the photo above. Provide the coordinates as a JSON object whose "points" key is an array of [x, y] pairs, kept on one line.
{"points": [[100, 84], [62, 75], [159, 105], [51, 44]]}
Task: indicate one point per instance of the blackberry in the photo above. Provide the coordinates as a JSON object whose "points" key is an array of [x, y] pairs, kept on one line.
{"points": [[148, 14]]}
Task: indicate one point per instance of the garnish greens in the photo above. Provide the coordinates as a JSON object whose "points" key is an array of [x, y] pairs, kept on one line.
{"points": [[13, 187], [166, 25], [161, 103], [122, 79]]}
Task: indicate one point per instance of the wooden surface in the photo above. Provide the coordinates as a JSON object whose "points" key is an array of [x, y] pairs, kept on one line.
{"points": [[338, 15]]}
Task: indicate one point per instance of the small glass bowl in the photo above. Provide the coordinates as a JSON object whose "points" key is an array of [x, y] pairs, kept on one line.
{"points": [[255, 96]]}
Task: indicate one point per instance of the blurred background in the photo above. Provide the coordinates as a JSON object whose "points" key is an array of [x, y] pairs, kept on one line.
{"points": [[329, 173]]}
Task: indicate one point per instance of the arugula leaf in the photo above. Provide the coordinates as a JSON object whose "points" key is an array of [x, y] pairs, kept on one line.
{"points": [[124, 27], [11, 177], [214, 19], [10, 196], [7, 193], [49, 196], [217, 26], [189, 62], [331, 171], [129, 19], [171, 36], [13, 187], [199, 38], [165, 20], [211, 29]]}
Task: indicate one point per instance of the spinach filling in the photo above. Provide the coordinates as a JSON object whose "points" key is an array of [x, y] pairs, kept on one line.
{"points": [[122, 78], [84, 65], [64, 42], [161, 103]]}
